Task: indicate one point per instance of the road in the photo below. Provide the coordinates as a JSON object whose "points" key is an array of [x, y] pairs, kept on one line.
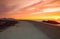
{"points": [[30, 30]]}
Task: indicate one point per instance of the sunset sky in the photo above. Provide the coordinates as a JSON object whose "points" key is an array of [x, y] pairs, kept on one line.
{"points": [[30, 9]]}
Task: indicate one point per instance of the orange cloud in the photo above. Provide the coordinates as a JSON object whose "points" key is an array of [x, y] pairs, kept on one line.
{"points": [[42, 10]]}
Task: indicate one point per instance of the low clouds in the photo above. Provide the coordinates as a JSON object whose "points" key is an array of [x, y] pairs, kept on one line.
{"points": [[9, 7]]}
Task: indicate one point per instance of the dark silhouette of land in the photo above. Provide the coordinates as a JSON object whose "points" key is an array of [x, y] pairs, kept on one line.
{"points": [[7, 22]]}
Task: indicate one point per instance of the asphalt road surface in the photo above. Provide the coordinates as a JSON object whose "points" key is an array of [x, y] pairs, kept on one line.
{"points": [[30, 30]]}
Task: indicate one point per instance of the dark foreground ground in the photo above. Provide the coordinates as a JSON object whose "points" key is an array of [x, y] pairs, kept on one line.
{"points": [[31, 30]]}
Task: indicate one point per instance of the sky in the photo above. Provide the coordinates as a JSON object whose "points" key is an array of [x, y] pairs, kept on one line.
{"points": [[28, 9]]}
